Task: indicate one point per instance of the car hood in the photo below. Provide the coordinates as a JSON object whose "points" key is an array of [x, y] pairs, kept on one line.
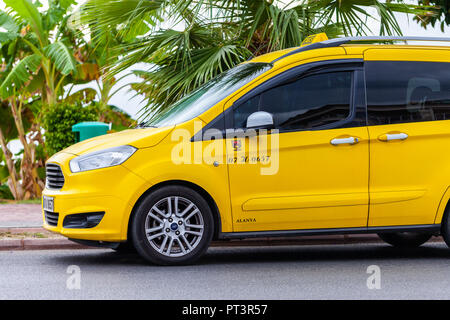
{"points": [[139, 138]]}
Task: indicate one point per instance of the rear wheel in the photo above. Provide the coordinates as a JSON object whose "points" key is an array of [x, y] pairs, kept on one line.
{"points": [[172, 226], [405, 239]]}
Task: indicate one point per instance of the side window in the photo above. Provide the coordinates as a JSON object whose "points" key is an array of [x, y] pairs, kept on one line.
{"points": [[304, 103], [244, 110], [399, 92]]}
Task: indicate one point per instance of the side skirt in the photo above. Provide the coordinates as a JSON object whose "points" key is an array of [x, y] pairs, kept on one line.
{"points": [[425, 228]]}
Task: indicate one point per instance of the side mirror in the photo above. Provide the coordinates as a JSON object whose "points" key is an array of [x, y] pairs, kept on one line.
{"points": [[260, 120]]}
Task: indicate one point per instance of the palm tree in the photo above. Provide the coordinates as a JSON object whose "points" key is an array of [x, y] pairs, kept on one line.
{"points": [[22, 182], [97, 58], [41, 46], [37, 61], [439, 11], [41, 55], [187, 42]]}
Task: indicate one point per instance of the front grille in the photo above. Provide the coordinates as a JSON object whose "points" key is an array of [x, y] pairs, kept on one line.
{"points": [[51, 218], [55, 177]]}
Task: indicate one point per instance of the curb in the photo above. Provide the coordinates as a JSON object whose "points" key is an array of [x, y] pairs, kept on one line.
{"points": [[38, 244], [35, 243], [64, 243]]}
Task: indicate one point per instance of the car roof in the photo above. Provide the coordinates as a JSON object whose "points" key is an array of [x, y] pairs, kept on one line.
{"points": [[269, 57], [350, 46]]}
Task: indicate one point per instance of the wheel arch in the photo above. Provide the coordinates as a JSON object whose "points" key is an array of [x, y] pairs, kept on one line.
{"points": [[443, 208], [209, 199]]}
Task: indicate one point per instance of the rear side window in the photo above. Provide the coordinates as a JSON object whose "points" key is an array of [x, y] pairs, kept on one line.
{"points": [[307, 103], [400, 92]]}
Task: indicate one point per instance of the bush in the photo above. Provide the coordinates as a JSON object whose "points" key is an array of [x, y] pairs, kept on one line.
{"points": [[58, 122], [5, 193]]}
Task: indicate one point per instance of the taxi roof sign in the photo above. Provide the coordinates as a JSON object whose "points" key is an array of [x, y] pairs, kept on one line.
{"points": [[314, 38]]}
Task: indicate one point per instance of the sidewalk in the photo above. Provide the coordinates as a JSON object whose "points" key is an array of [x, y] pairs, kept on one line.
{"points": [[20, 216], [21, 229]]}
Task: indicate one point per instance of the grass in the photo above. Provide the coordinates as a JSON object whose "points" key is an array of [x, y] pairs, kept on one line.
{"points": [[31, 201], [22, 235]]}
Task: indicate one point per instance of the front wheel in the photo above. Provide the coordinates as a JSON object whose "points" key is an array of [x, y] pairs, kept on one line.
{"points": [[405, 239], [172, 226]]}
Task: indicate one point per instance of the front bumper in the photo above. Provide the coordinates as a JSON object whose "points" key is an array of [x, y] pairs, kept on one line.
{"points": [[109, 228], [110, 190]]}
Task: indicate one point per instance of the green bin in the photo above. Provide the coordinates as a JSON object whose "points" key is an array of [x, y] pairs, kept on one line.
{"points": [[90, 129]]}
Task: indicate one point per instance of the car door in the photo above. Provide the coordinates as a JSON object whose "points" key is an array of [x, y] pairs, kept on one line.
{"points": [[408, 101], [313, 172]]}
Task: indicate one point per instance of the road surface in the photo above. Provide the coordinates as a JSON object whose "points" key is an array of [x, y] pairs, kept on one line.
{"points": [[284, 272]]}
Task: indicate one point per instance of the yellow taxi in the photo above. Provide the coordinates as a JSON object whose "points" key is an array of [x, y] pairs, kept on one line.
{"points": [[333, 137]]}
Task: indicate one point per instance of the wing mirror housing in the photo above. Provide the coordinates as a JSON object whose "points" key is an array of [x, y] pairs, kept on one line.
{"points": [[260, 120]]}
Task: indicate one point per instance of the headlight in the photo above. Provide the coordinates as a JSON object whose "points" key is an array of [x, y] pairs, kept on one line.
{"points": [[101, 159]]}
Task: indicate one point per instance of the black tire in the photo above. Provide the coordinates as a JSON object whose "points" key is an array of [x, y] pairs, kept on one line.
{"points": [[405, 239], [125, 247], [445, 226], [148, 249]]}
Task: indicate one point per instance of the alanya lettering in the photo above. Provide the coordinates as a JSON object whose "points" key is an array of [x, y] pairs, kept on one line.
{"points": [[246, 220]]}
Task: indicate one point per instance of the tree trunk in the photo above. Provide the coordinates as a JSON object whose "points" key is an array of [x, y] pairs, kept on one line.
{"points": [[28, 170], [13, 182], [105, 91]]}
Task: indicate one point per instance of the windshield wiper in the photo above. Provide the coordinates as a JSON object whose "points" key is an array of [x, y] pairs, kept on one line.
{"points": [[145, 125]]}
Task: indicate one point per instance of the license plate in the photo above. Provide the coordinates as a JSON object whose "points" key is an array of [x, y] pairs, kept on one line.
{"points": [[48, 203]]}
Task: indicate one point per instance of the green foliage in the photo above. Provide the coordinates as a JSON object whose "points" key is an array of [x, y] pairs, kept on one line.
{"points": [[26, 10], [4, 173], [58, 122], [7, 121], [19, 74], [11, 29], [439, 11], [5, 193], [81, 96], [41, 53], [62, 57], [120, 120], [216, 35], [3, 169]]}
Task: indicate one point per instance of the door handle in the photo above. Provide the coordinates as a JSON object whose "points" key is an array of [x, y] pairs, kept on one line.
{"points": [[392, 136], [349, 140]]}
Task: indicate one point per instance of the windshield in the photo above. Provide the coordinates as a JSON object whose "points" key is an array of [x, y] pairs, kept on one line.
{"points": [[209, 94]]}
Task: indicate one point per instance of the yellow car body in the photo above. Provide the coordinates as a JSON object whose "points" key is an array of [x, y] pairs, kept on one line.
{"points": [[372, 185]]}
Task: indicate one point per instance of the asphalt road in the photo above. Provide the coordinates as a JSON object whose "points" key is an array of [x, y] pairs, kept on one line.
{"points": [[294, 272]]}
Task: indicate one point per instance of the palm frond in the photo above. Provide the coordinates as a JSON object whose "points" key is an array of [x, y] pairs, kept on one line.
{"points": [[132, 16], [61, 56], [11, 28], [19, 74], [27, 11], [65, 4], [218, 34], [165, 44], [84, 95], [169, 82]]}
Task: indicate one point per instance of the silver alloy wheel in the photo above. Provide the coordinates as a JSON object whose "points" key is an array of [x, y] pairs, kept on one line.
{"points": [[174, 226]]}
